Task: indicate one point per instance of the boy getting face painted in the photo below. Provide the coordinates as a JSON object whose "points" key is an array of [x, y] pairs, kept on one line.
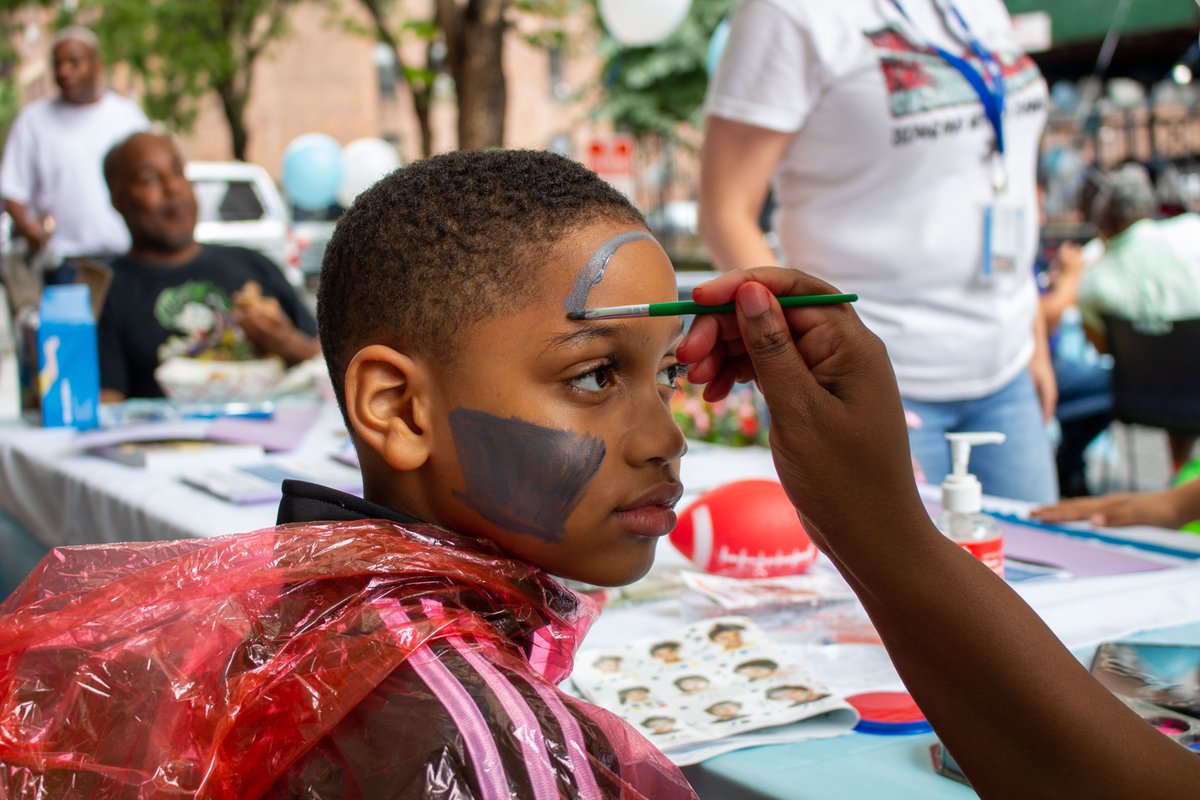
{"points": [[501, 443]]}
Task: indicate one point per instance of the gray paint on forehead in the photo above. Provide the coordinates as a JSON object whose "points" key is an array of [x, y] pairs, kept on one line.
{"points": [[526, 478], [593, 273]]}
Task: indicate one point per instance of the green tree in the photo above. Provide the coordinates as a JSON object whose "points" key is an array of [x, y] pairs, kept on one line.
{"points": [[649, 91], [11, 27], [184, 49], [465, 39]]}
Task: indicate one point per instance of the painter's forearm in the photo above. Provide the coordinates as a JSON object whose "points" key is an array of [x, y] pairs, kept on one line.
{"points": [[999, 688]]}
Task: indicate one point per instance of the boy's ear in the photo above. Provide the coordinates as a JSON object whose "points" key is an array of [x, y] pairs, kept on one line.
{"points": [[388, 404]]}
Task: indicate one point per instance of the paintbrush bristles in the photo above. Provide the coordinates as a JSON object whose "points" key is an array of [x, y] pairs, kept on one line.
{"points": [[615, 312]]}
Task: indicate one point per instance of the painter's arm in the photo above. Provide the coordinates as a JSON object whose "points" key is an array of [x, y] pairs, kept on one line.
{"points": [[1001, 691], [736, 164]]}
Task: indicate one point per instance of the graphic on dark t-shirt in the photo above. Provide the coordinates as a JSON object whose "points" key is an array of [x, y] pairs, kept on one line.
{"points": [[200, 314], [153, 313]]}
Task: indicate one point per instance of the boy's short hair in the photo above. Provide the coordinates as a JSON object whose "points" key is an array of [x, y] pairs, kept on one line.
{"points": [[446, 242]]}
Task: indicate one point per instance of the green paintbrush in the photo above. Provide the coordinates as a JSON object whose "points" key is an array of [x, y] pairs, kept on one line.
{"points": [[683, 307]]}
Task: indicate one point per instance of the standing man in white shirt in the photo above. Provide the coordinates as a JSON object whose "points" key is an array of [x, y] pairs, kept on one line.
{"points": [[51, 177], [901, 137]]}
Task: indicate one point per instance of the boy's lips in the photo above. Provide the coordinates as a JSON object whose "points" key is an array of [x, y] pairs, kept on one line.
{"points": [[651, 513]]}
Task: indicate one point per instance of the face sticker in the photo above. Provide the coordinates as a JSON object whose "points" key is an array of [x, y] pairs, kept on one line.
{"points": [[537, 483], [593, 273]]}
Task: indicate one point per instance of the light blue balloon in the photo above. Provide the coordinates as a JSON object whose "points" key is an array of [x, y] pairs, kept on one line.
{"points": [[312, 171], [716, 45]]}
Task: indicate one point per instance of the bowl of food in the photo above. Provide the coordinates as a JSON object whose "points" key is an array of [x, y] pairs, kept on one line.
{"points": [[198, 380]]}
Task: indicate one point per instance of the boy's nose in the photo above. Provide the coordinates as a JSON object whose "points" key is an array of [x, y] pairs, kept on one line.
{"points": [[656, 436]]}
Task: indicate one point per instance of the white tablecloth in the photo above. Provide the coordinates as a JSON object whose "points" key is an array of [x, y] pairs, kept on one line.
{"points": [[63, 497], [66, 498]]}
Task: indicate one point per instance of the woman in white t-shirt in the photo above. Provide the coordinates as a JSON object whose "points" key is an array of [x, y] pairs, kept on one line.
{"points": [[878, 122]]}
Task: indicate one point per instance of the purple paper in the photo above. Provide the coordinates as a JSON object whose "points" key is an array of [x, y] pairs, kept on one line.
{"points": [[282, 432], [1083, 558]]}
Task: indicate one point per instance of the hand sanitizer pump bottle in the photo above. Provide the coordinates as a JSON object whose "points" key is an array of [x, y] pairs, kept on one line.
{"points": [[962, 503]]}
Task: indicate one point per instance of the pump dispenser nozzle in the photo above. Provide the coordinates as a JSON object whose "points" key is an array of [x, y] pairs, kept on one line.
{"points": [[961, 491]]}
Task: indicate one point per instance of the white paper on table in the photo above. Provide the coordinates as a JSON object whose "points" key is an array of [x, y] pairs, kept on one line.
{"points": [[710, 687]]}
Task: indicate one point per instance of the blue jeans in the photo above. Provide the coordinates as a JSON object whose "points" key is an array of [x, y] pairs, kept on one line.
{"points": [[1021, 468]]}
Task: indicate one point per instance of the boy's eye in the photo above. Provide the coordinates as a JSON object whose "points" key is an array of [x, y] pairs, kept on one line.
{"points": [[594, 380], [670, 376]]}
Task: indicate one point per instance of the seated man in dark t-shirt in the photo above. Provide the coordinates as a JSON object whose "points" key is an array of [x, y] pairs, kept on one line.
{"points": [[172, 296]]}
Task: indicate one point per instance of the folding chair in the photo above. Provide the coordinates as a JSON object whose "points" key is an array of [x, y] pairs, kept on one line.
{"points": [[1156, 374]]}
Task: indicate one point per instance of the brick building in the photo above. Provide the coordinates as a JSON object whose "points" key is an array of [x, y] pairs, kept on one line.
{"points": [[327, 78]]}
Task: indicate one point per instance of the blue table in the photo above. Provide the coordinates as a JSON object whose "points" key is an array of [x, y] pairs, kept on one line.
{"points": [[856, 765]]}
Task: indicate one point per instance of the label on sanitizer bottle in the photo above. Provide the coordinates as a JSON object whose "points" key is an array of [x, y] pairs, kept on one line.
{"points": [[989, 551], [978, 534]]}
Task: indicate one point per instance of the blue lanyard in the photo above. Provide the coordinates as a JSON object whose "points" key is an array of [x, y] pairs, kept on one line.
{"points": [[990, 88]]}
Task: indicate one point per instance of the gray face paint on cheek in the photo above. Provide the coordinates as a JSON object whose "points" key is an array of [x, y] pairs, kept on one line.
{"points": [[520, 476], [593, 273]]}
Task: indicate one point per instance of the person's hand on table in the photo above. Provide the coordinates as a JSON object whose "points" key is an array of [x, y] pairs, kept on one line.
{"points": [[1172, 508], [268, 328], [838, 432]]}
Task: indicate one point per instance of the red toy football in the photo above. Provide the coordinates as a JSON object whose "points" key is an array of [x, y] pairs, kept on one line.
{"points": [[744, 529]]}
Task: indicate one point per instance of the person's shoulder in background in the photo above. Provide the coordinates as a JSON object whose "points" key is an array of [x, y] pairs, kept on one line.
{"points": [[120, 104], [1183, 234]]}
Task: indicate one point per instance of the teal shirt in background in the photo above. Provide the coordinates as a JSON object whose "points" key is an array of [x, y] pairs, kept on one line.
{"points": [[1149, 273]]}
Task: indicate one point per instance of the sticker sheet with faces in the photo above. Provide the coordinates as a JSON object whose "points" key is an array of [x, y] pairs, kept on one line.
{"points": [[710, 680]]}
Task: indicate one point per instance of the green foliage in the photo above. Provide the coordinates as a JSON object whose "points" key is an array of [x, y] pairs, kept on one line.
{"points": [[10, 58], [184, 49], [552, 14], [651, 90], [439, 27]]}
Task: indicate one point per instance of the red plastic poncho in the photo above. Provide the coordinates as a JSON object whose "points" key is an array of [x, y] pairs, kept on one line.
{"points": [[353, 659]]}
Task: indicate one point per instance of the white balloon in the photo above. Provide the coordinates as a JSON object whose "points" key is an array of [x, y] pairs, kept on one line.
{"points": [[637, 23], [366, 161]]}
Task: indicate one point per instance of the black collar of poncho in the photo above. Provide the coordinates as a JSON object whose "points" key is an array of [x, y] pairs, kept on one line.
{"points": [[310, 502]]}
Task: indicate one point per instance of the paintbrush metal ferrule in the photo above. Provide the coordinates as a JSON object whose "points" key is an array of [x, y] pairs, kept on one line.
{"points": [[684, 307], [612, 312]]}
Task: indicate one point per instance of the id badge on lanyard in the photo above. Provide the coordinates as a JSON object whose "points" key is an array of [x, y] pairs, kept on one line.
{"points": [[1003, 220], [1003, 233]]}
